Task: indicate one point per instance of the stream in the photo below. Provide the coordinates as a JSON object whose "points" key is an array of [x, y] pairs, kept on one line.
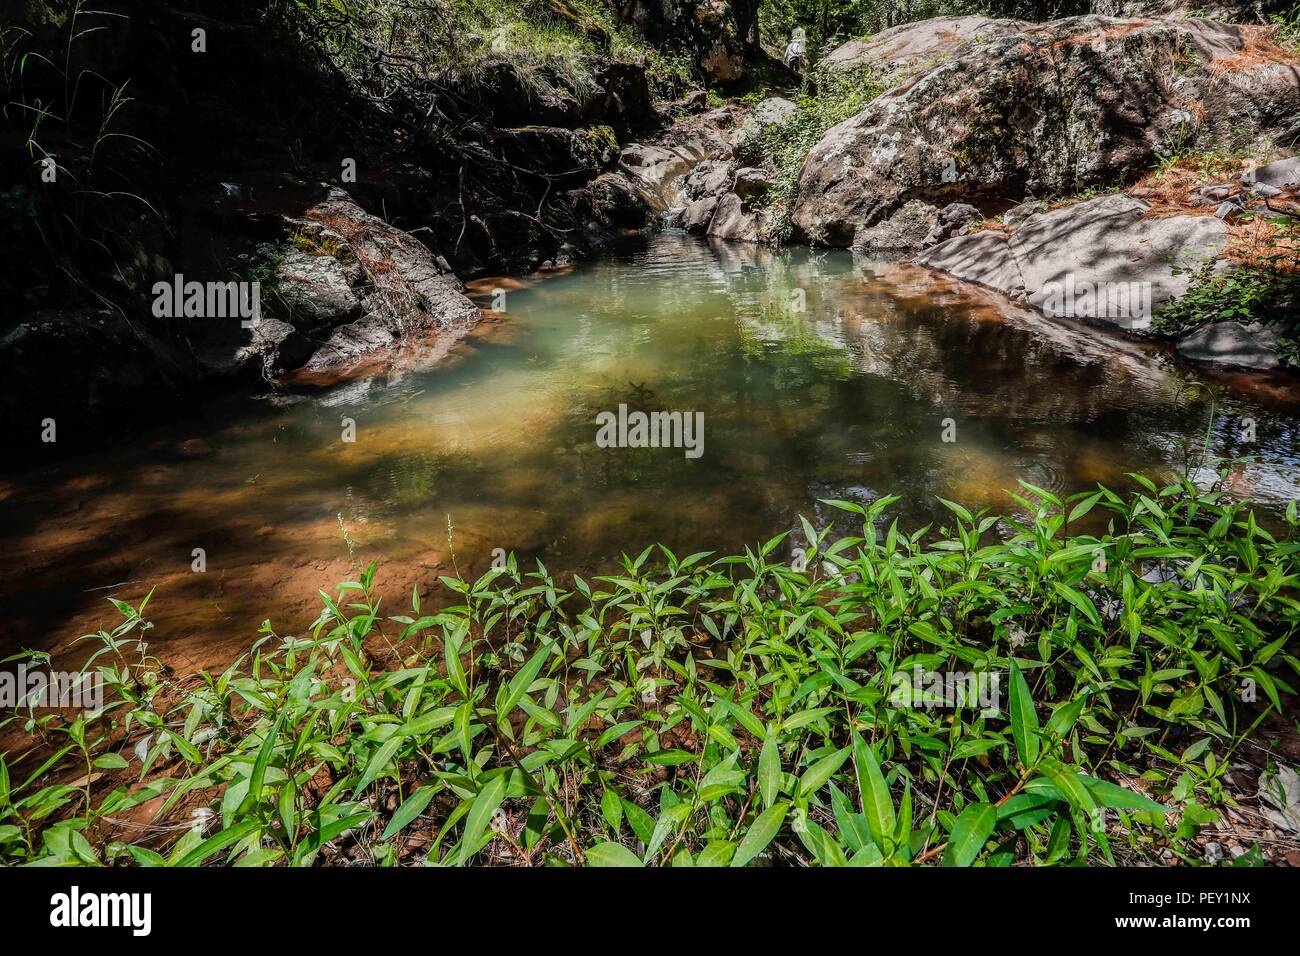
{"points": [[818, 375]]}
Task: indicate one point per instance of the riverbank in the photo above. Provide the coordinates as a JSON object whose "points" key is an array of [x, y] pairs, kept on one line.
{"points": [[974, 698]]}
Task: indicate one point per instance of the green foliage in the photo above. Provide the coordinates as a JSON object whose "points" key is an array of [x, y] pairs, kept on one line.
{"points": [[554, 48], [827, 99], [710, 712], [1288, 27], [1265, 289]]}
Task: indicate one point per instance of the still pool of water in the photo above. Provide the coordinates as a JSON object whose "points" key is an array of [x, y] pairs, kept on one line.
{"points": [[818, 376]]}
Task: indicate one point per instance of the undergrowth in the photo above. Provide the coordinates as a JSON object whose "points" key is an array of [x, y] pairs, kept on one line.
{"points": [[1263, 286], [709, 712], [827, 99]]}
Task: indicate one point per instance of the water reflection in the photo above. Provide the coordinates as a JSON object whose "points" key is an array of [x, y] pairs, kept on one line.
{"points": [[819, 376]]}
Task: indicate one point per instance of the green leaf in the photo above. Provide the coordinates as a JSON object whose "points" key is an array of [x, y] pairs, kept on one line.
{"points": [[761, 832], [522, 680], [480, 815], [969, 834], [611, 854], [815, 777], [263, 760], [667, 822], [1024, 719], [380, 761], [611, 807], [769, 770], [218, 842], [877, 803], [1112, 795], [411, 808]]}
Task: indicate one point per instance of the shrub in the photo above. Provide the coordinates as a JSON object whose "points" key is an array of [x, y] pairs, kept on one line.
{"points": [[826, 100], [690, 711]]}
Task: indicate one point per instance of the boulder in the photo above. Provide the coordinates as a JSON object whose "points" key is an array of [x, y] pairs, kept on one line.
{"points": [[316, 291], [79, 366], [770, 112], [709, 178], [983, 258], [1049, 110], [915, 45], [908, 229], [1231, 343], [573, 157], [734, 219], [699, 214], [518, 96], [616, 202], [1279, 175], [345, 283], [1102, 259], [751, 182], [955, 219]]}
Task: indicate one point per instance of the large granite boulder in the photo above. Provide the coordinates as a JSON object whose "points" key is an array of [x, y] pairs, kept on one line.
{"points": [[894, 52], [1102, 260], [1049, 110]]}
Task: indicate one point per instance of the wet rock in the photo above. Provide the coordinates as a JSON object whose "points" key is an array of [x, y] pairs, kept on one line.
{"points": [[1231, 343], [983, 258], [908, 229], [1047, 110], [733, 219]]}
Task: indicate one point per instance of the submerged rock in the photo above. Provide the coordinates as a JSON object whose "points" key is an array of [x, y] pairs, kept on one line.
{"points": [[983, 258]]}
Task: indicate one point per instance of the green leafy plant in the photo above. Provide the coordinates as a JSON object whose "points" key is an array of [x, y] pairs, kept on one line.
{"points": [[711, 712]]}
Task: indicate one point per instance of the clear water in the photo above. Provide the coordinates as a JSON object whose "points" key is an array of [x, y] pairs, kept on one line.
{"points": [[846, 399]]}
